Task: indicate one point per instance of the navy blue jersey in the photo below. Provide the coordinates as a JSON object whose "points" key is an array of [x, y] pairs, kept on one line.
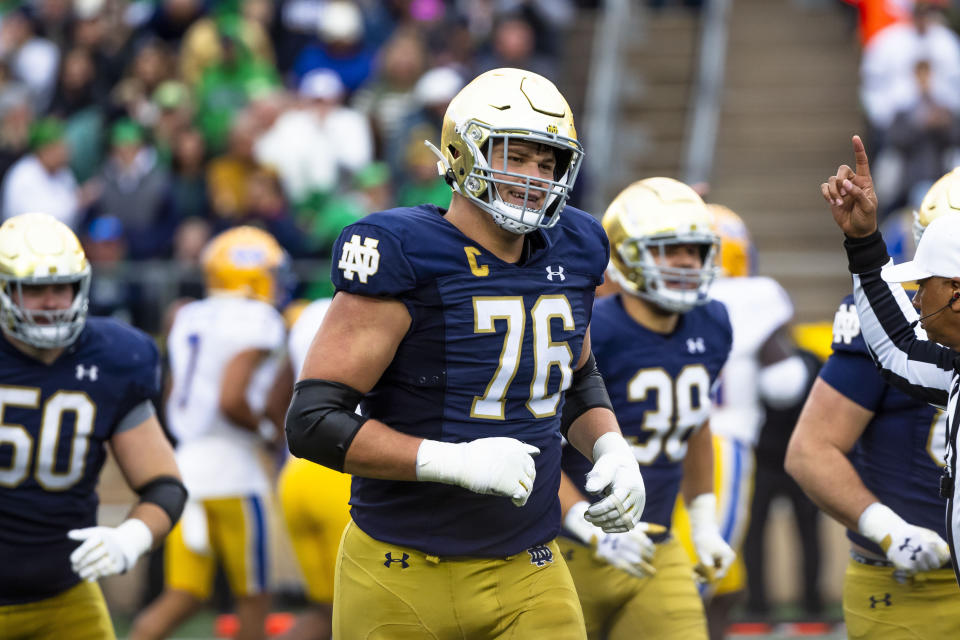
{"points": [[901, 452], [660, 389], [489, 353], [54, 421]]}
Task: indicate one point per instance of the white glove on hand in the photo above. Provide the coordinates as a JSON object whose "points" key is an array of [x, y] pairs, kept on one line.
{"points": [[616, 474], [107, 551], [714, 555], [631, 551], [908, 547], [494, 466]]}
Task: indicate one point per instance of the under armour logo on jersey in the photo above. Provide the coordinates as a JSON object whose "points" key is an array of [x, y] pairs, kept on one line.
{"points": [[696, 345], [558, 273], [540, 555], [846, 324], [402, 560], [87, 372], [885, 600], [361, 259]]}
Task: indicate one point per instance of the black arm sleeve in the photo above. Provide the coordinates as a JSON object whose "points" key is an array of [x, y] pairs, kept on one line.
{"points": [[322, 422], [586, 392], [166, 492]]}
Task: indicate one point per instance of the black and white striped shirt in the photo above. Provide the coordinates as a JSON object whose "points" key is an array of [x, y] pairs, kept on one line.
{"points": [[906, 357]]}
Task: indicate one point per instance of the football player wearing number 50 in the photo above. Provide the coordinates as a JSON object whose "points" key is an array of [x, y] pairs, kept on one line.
{"points": [[69, 386], [225, 352], [463, 334], [659, 344]]}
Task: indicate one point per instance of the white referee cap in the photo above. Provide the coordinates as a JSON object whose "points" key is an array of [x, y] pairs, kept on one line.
{"points": [[938, 254]]}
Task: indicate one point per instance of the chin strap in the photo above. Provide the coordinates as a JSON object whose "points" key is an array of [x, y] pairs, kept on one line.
{"points": [[443, 166]]}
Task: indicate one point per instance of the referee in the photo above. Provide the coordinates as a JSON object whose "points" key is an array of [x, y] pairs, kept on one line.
{"points": [[924, 360]]}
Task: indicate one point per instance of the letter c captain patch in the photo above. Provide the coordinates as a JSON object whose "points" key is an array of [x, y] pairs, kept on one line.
{"points": [[475, 269]]}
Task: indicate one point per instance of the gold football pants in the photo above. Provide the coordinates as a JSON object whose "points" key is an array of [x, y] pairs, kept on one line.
{"points": [[879, 607], [619, 606], [79, 613], [388, 592]]}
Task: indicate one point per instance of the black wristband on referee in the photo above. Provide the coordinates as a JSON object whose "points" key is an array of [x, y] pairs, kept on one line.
{"points": [[867, 253]]}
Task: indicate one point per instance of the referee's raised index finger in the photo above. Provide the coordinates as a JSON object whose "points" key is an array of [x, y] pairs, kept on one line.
{"points": [[860, 155]]}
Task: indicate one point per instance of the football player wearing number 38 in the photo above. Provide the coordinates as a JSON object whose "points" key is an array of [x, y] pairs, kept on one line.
{"points": [[69, 386], [660, 345], [463, 334]]}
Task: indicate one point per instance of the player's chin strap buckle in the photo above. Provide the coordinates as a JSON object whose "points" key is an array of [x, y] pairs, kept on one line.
{"points": [[946, 486], [443, 167]]}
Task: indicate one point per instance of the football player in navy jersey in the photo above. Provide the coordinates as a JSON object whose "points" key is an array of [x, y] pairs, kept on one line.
{"points": [[871, 457], [659, 344], [463, 334], [70, 385]]}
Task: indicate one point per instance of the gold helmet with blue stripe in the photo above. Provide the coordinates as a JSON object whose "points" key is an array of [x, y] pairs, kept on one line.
{"points": [[246, 262], [737, 253], [645, 219], [942, 198], [506, 106], [36, 249]]}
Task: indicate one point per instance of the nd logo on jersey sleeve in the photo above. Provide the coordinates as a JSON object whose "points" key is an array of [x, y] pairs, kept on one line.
{"points": [[359, 258]]}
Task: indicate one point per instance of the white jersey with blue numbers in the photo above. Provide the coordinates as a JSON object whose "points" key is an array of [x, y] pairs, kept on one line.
{"points": [[758, 306], [490, 352], [659, 385], [217, 457]]}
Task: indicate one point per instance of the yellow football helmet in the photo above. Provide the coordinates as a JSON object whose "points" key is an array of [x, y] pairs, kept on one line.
{"points": [[641, 222], [38, 249], [942, 198], [506, 105], [737, 253], [247, 262]]}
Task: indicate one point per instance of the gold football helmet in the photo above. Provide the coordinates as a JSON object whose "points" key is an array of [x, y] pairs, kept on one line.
{"points": [[246, 262], [38, 249], [504, 106], [942, 198], [641, 222], [737, 253]]}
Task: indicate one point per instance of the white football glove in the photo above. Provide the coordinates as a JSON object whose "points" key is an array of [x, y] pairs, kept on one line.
{"points": [[107, 551], [616, 475], [908, 547], [495, 466], [714, 555], [631, 551]]}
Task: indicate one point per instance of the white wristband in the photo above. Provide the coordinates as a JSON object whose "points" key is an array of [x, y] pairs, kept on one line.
{"points": [[611, 442], [138, 534], [703, 511], [266, 429], [438, 461], [575, 523], [878, 521]]}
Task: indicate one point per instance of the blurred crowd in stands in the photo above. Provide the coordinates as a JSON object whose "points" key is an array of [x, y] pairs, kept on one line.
{"points": [[149, 125], [910, 94]]}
